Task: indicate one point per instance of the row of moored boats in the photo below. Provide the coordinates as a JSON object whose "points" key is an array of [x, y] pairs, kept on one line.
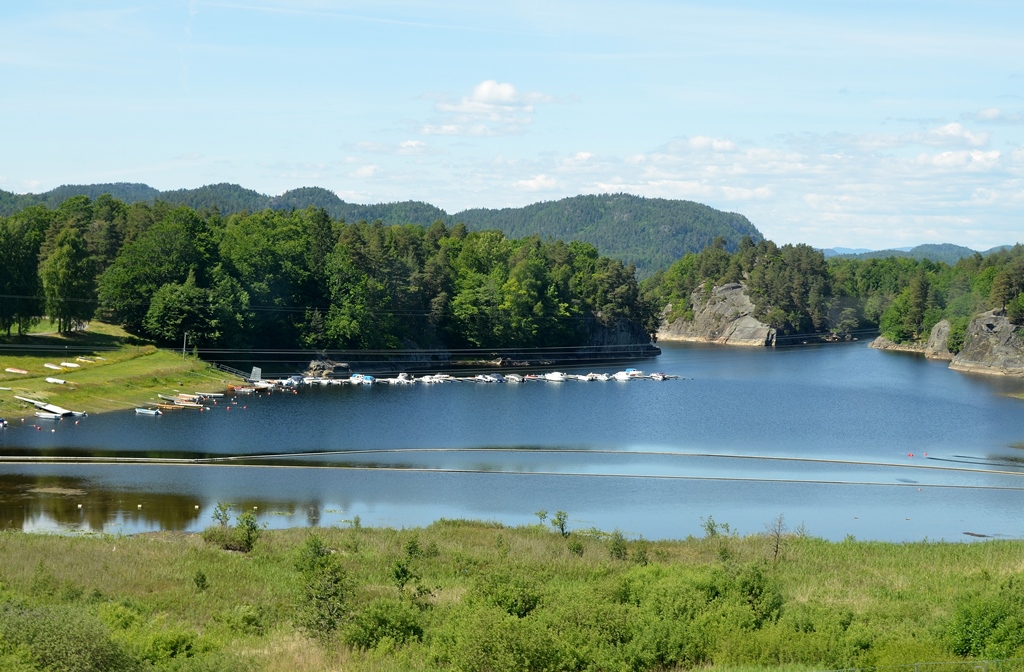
{"points": [[551, 377]]}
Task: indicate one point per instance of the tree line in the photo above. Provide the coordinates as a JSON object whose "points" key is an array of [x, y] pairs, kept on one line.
{"points": [[796, 290], [287, 279]]}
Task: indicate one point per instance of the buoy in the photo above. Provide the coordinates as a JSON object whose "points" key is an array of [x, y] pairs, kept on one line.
{"points": [[910, 454], [53, 430], [197, 507], [244, 407], [79, 506], [140, 506], [76, 422]]}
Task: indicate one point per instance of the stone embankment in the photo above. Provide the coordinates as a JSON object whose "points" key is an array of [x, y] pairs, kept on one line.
{"points": [[724, 315]]}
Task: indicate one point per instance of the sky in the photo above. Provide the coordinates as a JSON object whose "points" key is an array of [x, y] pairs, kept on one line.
{"points": [[838, 124]]}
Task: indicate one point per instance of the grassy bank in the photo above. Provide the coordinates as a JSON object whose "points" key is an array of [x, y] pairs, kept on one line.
{"points": [[114, 371], [478, 596]]}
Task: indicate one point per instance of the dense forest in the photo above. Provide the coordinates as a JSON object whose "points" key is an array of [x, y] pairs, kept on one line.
{"points": [[797, 291], [649, 233], [298, 278]]}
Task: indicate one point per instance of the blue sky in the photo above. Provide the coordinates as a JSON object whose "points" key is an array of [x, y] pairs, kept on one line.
{"points": [[867, 124]]}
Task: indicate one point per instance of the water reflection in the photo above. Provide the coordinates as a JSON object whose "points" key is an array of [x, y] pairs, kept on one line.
{"points": [[846, 439]]}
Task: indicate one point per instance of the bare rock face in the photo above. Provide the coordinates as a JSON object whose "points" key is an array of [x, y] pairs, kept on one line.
{"points": [[725, 316], [883, 343], [992, 345], [938, 340]]}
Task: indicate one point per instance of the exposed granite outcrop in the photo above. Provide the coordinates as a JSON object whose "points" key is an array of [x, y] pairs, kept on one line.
{"points": [[724, 315], [883, 343], [993, 345], [938, 342]]}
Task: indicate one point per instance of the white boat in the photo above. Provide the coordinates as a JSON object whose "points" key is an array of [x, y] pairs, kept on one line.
{"points": [[56, 381], [657, 375], [70, 365], [554, 377], [361, 379], [149, 411], [11, 369], [52, 366], [48, 416], [635, 373], [621, 375], [514, 378]]}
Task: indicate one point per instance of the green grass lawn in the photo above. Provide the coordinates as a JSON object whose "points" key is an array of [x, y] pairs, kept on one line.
{"points": [[115, 371]]}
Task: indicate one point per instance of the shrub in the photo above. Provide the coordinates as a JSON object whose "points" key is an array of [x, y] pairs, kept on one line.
{"points": [[489, 640], [990, 625], [325, 588], [617, 547], [384, 618], [512, 594], [62, 638]]}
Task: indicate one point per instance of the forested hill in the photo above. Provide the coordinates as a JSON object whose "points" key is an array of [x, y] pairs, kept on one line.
{"points": [[648, 232], [945, 252]]}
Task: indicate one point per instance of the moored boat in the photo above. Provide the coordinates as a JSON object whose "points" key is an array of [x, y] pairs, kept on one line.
{"points": [[148, 411], [48, 416]]}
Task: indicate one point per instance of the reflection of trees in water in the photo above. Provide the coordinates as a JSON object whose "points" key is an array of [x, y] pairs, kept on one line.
{"points": [[30, 501]]}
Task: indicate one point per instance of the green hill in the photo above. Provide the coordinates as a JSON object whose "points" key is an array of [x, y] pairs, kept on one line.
{"points": [[945, 252], [648, 232]]}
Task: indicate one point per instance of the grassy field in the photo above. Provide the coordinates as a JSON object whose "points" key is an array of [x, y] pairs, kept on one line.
{"points": [[115, 371], [464, 595]]}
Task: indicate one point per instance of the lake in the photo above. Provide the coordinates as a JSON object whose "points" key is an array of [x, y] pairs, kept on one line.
{"points": [[840, 439]]}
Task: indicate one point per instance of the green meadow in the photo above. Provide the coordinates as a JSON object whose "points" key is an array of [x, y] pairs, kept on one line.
{"points": [[466, 595]]}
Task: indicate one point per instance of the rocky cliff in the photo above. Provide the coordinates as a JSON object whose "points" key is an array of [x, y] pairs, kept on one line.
{"points": [[992, 345], [724, 315], [938, 342]]}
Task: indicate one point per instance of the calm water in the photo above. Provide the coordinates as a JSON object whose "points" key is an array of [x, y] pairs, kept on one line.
{"points": [[842, 439]]}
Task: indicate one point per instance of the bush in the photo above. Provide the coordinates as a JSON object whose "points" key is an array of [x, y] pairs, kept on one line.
{"points": [[990, 625], [512, 594], [488, 640], [384, 618], [325, 588], [62, 639]]}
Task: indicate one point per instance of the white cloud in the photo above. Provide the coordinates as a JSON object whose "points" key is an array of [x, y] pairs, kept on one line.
{"points": [[537, 183], [971, 160], [492, 108], [366, 171]]}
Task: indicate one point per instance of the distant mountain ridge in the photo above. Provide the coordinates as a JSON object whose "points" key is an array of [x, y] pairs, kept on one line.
{"points": [[648, 232], [944, 252]]}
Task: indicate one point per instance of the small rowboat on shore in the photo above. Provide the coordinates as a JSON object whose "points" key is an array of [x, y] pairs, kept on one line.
{"points": [[148, 411], [11, 369]]}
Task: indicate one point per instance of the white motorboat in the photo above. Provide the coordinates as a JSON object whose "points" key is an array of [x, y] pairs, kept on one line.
{"points": [[361, 379], [148, 411], [621, 375], [554, 377], [48, 416], [514, 378]]}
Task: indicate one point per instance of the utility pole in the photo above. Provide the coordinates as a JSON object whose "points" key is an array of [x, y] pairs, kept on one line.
{"points": [[184, 337]]}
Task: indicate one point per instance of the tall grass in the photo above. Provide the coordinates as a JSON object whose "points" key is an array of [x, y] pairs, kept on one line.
{"points": [[483, 596]]}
